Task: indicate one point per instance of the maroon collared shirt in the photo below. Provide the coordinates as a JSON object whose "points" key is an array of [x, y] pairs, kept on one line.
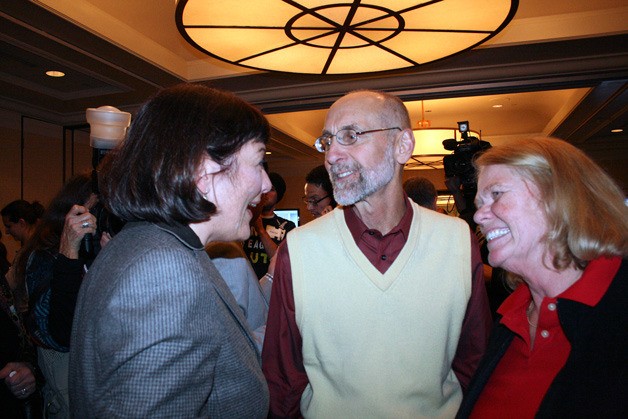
{"points": [[282, 358]]}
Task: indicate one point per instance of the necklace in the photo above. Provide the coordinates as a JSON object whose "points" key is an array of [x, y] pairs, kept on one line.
{"points": [[528, 312]]}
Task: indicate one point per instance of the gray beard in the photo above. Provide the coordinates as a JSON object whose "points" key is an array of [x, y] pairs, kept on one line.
{"points": [[369, 180]]}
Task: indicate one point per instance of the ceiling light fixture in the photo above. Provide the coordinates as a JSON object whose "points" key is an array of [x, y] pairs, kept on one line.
{"points": [[617, 130], [428, 144], [55, 73], [339, 37]]}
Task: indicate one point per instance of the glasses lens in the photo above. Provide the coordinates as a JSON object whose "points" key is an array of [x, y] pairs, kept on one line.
{"points": [[346, 136], [322, 143]]}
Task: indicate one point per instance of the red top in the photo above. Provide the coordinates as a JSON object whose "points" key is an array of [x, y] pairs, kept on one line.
{"points": [[282, 356], [523, 375]]}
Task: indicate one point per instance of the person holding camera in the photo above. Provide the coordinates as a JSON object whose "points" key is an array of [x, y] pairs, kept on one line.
{"points": [[49, 266], [157, 332]]}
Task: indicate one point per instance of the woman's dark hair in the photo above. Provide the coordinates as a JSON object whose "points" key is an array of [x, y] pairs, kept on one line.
{"points": [[152, 176], [21, 209], [47, 235], [320, 177]]}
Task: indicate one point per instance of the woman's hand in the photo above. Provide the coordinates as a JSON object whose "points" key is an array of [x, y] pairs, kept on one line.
{"points": [[19, 378], [78, 222]]}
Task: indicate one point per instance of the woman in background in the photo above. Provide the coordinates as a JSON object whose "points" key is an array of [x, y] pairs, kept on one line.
{"points": [[558, 224], [20, 218], [42, 264], [157, 332]]}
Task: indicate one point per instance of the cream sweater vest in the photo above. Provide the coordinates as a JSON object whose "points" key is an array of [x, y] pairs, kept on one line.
{"points": [[381, 345]]}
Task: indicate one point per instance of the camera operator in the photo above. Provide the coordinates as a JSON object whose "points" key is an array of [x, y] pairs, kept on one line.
{"points": [[461, 181], [460, 177], [52, 270]]}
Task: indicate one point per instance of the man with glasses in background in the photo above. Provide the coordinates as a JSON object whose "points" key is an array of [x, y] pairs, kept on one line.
{"points": [[378, 309], [319, 194]]}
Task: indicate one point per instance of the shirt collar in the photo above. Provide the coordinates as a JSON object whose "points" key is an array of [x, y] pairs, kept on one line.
{"points": [[589, 289], [594, 282], [184, 233], [358, 228]]}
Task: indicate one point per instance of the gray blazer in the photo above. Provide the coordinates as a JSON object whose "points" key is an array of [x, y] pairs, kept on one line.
{"points": [[157, 333]]}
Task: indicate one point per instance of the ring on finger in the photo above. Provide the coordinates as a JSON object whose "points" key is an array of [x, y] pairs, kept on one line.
{"points": [[85, 224]]}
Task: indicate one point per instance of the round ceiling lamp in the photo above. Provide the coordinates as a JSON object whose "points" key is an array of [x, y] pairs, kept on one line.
{"points": [[339, 37]]}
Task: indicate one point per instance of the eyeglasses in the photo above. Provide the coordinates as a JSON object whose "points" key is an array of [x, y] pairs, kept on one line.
{"points": [[314, 201], [344, 137]]}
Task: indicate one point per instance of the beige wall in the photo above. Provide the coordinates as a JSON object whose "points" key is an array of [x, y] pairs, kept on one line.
{"points": [[44, 158]]}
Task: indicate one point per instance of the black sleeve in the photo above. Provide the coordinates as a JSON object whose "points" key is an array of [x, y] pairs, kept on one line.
{"points": [[64, 287]]}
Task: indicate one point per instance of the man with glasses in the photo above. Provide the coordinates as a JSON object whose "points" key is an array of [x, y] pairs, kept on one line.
{"points": [[319, 194], [378, 309]]}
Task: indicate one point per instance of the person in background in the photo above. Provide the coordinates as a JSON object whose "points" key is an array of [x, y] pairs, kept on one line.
{"points": [[421, 191], [378, 309], [157, 332], [558, 224], [319, 194], [37, 265], [20, 379], [268, 230], [235, 269], [20, 218]]}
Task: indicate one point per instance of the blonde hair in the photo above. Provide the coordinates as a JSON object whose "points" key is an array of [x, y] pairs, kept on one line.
{"points": [[585, 209]]}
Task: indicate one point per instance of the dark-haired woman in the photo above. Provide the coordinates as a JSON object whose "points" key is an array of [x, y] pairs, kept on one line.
{"points": [[20, 218], [50, 258], [157, 332]]}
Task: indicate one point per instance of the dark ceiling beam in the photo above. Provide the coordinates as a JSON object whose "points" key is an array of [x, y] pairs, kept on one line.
{"points": [[509, 69], [97, 72], [603, 109], [284, 145]]}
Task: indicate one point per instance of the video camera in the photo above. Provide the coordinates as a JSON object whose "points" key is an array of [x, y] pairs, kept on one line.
{"points": [[107, 129], [460, 176]]}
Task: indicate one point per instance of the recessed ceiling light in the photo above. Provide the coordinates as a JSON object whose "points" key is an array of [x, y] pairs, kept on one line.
{"points": [[497, 106], [617, 130], [269, 152], [55, 73]]}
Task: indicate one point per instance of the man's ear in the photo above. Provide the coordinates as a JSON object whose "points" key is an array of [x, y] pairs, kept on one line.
{"points": [[405, 146]]}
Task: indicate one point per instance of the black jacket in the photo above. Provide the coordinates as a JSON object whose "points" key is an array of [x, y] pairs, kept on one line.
{"points": [[594, 380]]}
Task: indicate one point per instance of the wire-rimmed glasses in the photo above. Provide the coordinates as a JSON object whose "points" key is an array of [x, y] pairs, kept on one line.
{"points": [[345, 136]]}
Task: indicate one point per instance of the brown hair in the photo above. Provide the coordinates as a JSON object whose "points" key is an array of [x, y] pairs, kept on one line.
{"points": [[585, 209], [151, 176]]}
